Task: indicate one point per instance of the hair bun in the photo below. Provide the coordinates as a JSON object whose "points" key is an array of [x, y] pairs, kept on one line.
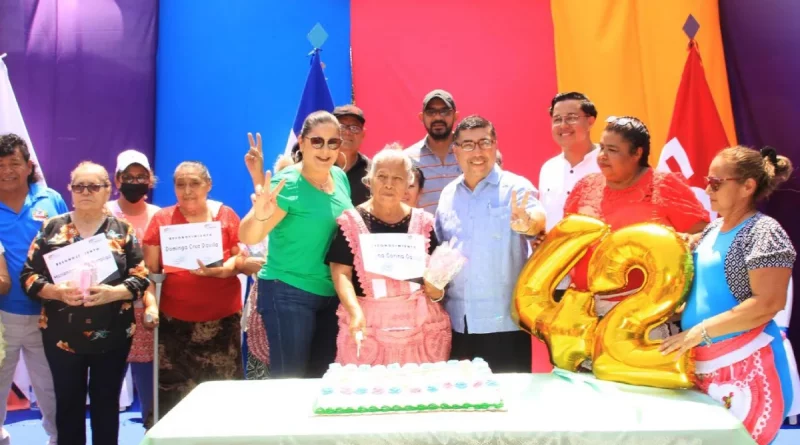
{"points": [[771, 154]]}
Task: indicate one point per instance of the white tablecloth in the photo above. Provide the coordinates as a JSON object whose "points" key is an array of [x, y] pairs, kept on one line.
{"points": [[559, 408]]}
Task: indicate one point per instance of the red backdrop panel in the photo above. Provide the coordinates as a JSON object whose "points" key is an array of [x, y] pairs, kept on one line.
{"points": [[498, 62]]}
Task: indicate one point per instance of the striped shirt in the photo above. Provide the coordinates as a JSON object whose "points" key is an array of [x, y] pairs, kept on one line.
{"points": [[437, 174]]}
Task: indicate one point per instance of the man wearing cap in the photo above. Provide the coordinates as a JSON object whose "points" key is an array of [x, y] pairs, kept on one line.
{"points": [[351, 121], [25, 204], [434, 154]]}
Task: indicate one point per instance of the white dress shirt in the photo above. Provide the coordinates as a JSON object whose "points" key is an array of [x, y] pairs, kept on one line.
{"points": [[556, 180]]}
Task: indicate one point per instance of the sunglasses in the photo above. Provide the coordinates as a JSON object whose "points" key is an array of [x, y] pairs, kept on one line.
{"points": [[318, 142], [715, 183], [630, 122], [93, 188]]}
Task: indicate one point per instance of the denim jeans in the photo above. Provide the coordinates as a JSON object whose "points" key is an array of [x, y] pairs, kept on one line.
{"points": [[143, 380], [301, 329]]}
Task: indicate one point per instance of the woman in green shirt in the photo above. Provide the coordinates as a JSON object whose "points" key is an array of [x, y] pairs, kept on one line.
{"points": [[298, 210]]}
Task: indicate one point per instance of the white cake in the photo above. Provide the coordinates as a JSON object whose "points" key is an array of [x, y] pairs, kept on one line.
{"points": [[452, 385]]}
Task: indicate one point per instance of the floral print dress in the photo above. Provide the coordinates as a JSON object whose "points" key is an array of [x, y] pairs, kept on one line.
{"points": [[80, 329]]}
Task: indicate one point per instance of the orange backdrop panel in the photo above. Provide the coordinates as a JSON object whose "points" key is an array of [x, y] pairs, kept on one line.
{"points": [[628, 56], [496, 60]]}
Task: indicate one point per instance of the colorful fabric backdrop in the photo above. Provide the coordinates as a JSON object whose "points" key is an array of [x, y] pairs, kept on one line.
{"points": [[85, 75]]}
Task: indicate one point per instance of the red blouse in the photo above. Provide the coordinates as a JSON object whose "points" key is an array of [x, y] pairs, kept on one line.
{"points": [[663, 198], [190, 297]]}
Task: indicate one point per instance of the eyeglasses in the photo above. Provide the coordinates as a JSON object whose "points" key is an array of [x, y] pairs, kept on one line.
{"points": [[484, 144], [444, 112], [93, 188], [354, 129], [138, 179], [570, 119], [318, 142], [715, 183]]}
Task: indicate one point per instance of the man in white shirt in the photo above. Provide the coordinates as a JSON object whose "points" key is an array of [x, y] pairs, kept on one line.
{"points": [[572, 116]]}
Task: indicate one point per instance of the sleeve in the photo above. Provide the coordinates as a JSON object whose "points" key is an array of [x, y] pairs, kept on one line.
{"points": [[34, 274], [2, 249], [136, 281], [152, 236], [573, 202], [60, 205], [437, 226], [771, 246], [683, 209], [288, 193], [525, 186], [231, 225], [339, 250], [434, 242]]}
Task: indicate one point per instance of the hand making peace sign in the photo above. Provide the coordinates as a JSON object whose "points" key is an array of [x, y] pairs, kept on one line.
{"points": [[265, 202], [254, 159], [521, 221]]}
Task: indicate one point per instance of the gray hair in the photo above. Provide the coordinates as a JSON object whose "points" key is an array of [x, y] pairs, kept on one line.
{"points": [[193, 164], [390, 153]]}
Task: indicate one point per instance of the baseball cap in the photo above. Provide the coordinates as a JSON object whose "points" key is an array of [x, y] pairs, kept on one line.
{"points": [[350, 110], [130, 157], [439, 94]]}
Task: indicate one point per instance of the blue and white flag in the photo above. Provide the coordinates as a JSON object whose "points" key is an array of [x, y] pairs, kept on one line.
{"points": [[11, 116], [316, 96]]}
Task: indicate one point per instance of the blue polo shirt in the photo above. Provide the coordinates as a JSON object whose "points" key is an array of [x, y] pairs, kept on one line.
{"points": [[17, 231]]}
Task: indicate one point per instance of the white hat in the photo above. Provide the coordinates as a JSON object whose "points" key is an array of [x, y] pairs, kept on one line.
{"points": [[130, 157]]}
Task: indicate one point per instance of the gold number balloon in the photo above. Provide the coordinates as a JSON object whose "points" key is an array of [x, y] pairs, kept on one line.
{"points": [[567, 327], [623, 350], [619, 344]]}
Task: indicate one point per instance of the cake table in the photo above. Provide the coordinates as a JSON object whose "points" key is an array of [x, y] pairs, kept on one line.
{"points": [[561, 407]]}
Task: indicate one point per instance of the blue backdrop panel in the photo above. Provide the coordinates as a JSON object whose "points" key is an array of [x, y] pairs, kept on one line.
{"points": [[225, 68]]}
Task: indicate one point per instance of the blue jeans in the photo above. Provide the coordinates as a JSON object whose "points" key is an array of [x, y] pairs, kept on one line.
{"points": [[301, 329], [143, 381]]}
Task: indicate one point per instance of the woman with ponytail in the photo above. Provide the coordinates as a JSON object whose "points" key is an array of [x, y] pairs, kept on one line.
{"points": [[743, 263]]}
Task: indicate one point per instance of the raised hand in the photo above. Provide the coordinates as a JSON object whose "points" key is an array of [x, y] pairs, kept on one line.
{"points": [[521, 221], [254, 159], [265, 203]]}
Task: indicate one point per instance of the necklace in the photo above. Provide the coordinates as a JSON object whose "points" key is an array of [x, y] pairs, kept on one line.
{"points": [[321, 186]]}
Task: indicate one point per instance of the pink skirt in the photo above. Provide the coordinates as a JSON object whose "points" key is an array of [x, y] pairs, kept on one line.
{"points": [[400, 330]]}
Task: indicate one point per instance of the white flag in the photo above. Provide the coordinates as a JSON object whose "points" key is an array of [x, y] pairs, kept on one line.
{"points": [[11, 117]]}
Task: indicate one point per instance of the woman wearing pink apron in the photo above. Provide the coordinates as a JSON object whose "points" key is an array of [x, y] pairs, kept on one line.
{"points": [[384, 320], [743, 263]]}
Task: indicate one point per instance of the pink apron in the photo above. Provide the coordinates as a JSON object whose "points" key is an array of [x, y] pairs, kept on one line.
{"points": [[740, 373], [404, 326]]}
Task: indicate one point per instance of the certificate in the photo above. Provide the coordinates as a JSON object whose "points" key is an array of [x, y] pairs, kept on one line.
{"points": [[395, 255], [183, 244], [93, 253]]}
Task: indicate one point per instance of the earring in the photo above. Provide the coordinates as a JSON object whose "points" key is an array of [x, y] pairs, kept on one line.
{"points": [[345, 161]]}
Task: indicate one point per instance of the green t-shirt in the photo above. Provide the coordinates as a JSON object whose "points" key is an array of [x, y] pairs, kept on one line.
{"points": [[298, 244]]}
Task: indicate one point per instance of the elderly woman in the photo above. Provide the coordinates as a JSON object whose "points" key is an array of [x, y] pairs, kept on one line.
{"points": [[398, 321], [743, 263], [87, 331], [298, 210], [199, 334], [134, 179], [628, 191]]}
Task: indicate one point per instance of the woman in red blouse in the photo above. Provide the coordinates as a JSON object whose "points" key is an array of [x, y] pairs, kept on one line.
{"points": [[627, 192], [200, 329]]}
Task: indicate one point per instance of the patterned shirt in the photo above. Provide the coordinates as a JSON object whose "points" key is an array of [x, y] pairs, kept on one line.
{"points": [[80, 329], [479, 297], [437, 173]]}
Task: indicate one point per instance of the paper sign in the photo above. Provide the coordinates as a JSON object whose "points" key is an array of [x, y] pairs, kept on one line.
{"points": [[183, 244], [93, 253], [395, 255]]}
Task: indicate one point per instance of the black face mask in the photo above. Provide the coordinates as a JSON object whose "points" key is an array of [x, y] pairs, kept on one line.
{"points": [[134, 192]]}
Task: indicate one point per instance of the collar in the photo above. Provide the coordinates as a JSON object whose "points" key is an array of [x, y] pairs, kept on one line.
{"points": [[492, 178], [37, 190], [362, 161], [591, 156], [424, 146]]}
